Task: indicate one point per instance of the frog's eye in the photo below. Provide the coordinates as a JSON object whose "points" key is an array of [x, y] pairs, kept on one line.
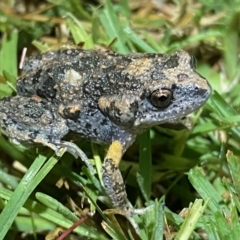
{"points": [[161, 98]]}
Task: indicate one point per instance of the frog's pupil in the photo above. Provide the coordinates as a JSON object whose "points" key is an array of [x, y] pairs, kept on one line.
{"points": [[163, 98]]}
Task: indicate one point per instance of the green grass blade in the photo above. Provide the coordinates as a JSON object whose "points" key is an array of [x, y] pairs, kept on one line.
{"points": [[159, 226], [78, 32], [231, 42], [234, 167], [195, 211], [56, 205], [8, 53], [111, 23], [145, 165], [205, 190], [8, 179], [134, 38], [52, 215], [20, 195]]}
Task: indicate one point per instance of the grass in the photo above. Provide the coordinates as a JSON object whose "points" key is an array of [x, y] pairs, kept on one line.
{"points": [[190, 177]]}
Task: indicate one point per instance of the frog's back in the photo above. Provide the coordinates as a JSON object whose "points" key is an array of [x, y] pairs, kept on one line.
{"points": [[86, 69]]}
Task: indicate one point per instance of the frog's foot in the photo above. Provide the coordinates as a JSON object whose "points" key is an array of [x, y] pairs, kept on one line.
{"points": [[114, 185], [128, 211], [72, 148]]}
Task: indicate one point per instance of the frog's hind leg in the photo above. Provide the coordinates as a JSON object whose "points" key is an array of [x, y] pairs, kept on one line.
{"points": [[111, 175], [114, 185]]}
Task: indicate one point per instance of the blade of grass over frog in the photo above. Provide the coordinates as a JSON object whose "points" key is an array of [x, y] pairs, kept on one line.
{"points": [[206, 190], [31, 179], [145, 164], [195, 211], [52, 216], [112, 26], [8, 53]]}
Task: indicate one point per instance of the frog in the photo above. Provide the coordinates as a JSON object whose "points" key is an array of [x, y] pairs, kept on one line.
{"points": [[104, 97]]}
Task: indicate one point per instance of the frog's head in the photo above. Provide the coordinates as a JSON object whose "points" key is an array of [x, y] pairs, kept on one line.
{"points": [[174, 91]]}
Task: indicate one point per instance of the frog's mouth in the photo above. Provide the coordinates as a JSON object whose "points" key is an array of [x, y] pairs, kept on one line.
{"points": [[185, 101]]}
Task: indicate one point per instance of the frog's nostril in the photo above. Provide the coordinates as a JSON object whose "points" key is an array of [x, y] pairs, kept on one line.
{"points": [[182, 77]]}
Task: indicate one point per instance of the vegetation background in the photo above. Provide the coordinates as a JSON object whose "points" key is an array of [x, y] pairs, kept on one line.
{"points": [[191, 177]]}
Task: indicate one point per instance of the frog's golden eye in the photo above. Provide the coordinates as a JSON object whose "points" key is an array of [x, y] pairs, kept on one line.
{"points": [[161, 98]]}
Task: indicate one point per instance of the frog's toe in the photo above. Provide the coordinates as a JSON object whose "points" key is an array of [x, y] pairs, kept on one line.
{"points": [[128, 211]]}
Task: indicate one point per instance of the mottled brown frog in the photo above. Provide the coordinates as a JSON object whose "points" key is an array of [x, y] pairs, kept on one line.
{"points": [[104, 97]]}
